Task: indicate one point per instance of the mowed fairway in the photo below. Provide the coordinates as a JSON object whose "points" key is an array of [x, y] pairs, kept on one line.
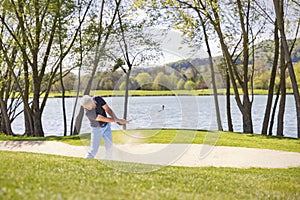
{"points": [[40, 176], [36, 176]]}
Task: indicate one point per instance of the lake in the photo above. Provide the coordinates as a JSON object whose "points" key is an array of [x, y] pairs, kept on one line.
{"points": [[189, 112]]}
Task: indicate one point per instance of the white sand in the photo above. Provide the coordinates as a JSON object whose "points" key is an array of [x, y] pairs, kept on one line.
{"points": [[194, 155]]}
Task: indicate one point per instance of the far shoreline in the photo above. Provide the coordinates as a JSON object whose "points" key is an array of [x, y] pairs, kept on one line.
{"points": [[136, 93]]}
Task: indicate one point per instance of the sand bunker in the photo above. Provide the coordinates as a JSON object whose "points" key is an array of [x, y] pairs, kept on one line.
{"points": [[188, 155]]}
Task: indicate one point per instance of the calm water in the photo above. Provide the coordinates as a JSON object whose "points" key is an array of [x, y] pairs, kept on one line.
{"points": [[191, 112]]}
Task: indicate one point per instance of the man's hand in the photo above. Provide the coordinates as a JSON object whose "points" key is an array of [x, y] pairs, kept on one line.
{"points": [[121, 121]]}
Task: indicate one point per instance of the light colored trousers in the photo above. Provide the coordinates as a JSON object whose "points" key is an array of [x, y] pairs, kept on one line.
{"points": [[96, 136]]}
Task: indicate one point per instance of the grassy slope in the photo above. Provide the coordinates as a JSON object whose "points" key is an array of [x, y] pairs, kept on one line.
{"points": [[37, 176], [33, 176]]}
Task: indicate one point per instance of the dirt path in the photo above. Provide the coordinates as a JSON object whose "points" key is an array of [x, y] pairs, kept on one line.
{"points": [[194, 155]]}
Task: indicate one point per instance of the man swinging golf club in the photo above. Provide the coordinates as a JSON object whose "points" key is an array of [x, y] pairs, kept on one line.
{"points": [[95, 110]]}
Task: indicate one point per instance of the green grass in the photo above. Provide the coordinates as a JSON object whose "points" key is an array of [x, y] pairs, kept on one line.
{"points": [[107, 93], [73, 140], [167, 136], [37, 176]]}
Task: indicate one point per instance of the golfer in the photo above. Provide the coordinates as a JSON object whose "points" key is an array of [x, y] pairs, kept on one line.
{"points": [[95, 110]]}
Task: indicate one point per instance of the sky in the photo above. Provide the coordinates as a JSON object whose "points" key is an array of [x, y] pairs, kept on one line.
{"points": [[174, 48]]}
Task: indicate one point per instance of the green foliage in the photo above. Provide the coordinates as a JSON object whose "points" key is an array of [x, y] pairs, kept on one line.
{"points": [[118, 64], [189, 85], [160, 82], [131, 86], [173, 80], [262, 81], [107, 80], [144, 80], [180, 84], [297, 72], [122, 86]]}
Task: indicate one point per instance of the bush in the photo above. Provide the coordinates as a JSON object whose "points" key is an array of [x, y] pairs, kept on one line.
{"points": [[189, 85], [180, 84]]}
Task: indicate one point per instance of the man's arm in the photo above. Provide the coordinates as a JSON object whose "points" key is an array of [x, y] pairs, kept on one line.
{"points": [[109, 111], [104, 119], [112, 118]]}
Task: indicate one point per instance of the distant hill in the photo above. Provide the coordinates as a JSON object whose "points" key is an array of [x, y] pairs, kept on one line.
{"points": [[198, 69], [263, 51]]}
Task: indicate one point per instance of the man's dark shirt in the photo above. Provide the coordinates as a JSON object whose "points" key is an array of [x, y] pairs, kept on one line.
{"points": [[92, 114]]}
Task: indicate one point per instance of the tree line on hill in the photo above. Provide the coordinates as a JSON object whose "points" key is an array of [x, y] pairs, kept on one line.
{"points": [[156, 78], [190, 74]]}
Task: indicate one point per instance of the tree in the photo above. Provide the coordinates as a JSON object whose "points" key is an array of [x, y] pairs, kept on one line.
{"points": [[193, 25], [278, 52], [173, 80], [68, 78], [240, 75], [144, 80], [98, 32], [180, 84], [189, 85], [161, 82], [279, 10], [271, 84], [262, 81], [132, 85], [9, 100], [36, 40], [135, 46]]}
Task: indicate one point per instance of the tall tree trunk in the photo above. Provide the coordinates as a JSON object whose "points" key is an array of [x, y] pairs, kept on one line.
{"points": [[37, 118], [126, 95], [77, 126], [280, 120], [212, 72], [63, 101], [272, 83], [5, 118], [78, 84], [6, 86], [28, 121], [274, 111], [278, 4], [247, 116], [228, 102], [246, 105], [61, 77]]}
